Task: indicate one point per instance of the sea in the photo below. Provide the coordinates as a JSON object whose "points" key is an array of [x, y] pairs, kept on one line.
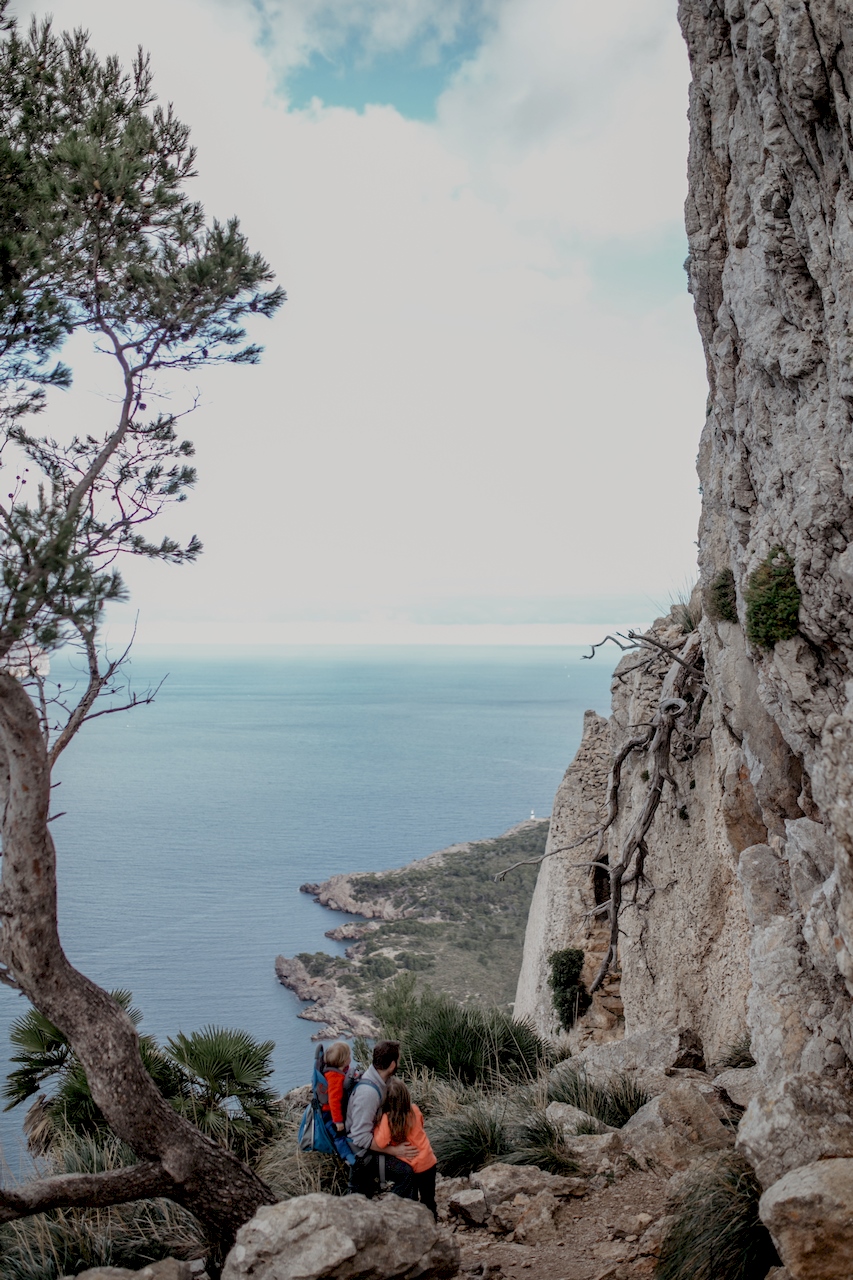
{"points": [[189, 824]]}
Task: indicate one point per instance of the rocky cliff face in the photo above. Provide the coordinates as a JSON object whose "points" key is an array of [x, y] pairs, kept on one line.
{"points": [[751, 921]]}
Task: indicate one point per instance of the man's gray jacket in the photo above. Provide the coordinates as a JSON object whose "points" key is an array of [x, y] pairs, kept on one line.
{"points": [[363, 1108]]}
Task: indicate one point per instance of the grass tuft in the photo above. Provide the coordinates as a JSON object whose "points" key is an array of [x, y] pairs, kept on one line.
{"points": [[723, 597], [474, 1136], [466, 1043], [717, 1233], [536, 1140], [738, 1053], [612, 1104], [63, 1242]]}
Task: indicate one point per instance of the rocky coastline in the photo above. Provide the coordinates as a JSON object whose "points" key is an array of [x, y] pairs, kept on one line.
{"points": [[413, 917]]}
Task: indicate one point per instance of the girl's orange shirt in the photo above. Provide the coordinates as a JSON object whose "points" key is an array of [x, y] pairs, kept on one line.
{"points": [[425, 1159]]}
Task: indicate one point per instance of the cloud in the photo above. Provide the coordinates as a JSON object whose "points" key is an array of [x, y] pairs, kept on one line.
{"points": [[457, 400], [293, 32]]}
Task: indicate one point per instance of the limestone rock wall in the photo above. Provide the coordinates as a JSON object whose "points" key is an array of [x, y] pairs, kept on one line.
{"points": [[563, 895], [685, 941], [751, 852], [770, 223]]}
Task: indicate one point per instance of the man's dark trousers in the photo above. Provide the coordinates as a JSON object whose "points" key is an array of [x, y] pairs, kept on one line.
{"points": [[365, 1172]]}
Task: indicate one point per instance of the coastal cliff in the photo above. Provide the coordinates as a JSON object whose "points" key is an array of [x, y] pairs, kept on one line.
{"points": [[743, 912]]}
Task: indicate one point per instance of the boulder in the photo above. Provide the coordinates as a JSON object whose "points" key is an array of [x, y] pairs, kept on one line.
{"points": [[809, 1214], [503, 1182], [445, 1190], [802, 1119], [644, 1058], [104, 1273], [738, 1084], [469, 1204], [569, 1118], [674, 1128], [342, 1238], [595, 1152], [651, 1240], [536, 1224], [655, 1050]]}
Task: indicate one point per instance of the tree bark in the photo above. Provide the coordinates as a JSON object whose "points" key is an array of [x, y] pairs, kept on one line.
{"points": [[190, 1168]]}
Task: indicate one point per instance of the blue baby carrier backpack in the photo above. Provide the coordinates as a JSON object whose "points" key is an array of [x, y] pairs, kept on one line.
{"points": [[316, 1130]]}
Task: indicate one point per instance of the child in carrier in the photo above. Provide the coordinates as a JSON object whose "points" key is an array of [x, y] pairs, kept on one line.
{"points": [[336, 1064], [402, 1122]]}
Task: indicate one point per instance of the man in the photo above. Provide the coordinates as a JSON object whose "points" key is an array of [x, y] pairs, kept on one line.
{"points": [[362, 1115]]}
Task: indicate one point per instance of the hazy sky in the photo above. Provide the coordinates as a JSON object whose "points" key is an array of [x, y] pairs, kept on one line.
{"points": [[482, 401]]}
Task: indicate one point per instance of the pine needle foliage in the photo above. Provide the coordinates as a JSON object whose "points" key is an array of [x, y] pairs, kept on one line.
{"points": [[98, 234], [772, 601], [717, 1233]]}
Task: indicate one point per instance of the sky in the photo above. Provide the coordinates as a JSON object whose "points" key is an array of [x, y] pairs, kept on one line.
{"points": [[478, 412]]}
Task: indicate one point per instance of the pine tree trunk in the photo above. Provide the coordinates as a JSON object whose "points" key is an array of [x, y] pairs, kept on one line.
{"points": [[179, 1161]]}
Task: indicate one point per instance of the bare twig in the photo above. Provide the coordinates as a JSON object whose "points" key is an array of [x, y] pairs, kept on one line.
{"points": [[533, 862]]}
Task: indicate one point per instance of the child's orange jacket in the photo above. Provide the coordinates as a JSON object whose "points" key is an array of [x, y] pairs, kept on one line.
{"points": [[425, 1159]]}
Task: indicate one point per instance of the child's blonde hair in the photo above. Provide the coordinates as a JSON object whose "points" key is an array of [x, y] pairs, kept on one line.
{"points": [[337, 1055]]}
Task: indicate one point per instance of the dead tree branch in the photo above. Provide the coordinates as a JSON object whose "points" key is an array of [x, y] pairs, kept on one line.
{"points": [[628, 868], [81, 1190]]}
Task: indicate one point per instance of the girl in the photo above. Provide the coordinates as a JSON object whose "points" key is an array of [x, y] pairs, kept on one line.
{"points": [[402, 1122]]}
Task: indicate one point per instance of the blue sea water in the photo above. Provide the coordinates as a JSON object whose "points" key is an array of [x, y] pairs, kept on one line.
{"points": [[190, 824]]}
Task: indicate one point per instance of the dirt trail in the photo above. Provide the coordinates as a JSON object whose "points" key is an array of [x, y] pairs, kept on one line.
{"points": [[596, 1237]]}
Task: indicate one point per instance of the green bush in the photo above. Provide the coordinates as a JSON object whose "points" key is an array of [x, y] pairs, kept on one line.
{"points": [[470, 1044], [216, 1077], [468, 1139], [723, 597], [466, 1043], [613, 1103], [717, 1234], [570, 996], [772, 601], [395, 1005]]}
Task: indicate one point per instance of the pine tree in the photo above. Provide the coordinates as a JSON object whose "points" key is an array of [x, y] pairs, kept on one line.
{"points": [[97, 234]]}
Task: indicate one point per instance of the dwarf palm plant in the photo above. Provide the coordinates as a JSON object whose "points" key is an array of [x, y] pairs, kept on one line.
{"points": [[215, 1077], [228, 1096], [44, 1057]]}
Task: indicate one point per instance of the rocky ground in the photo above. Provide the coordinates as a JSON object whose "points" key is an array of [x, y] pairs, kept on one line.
{"points": [[612, 1232]]}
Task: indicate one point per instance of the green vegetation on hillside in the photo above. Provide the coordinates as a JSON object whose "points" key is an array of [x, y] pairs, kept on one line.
{"points": [[462, 930]]}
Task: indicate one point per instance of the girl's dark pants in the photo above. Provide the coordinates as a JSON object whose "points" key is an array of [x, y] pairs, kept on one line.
{"points": [[424, 1190], [363, 1178]]}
